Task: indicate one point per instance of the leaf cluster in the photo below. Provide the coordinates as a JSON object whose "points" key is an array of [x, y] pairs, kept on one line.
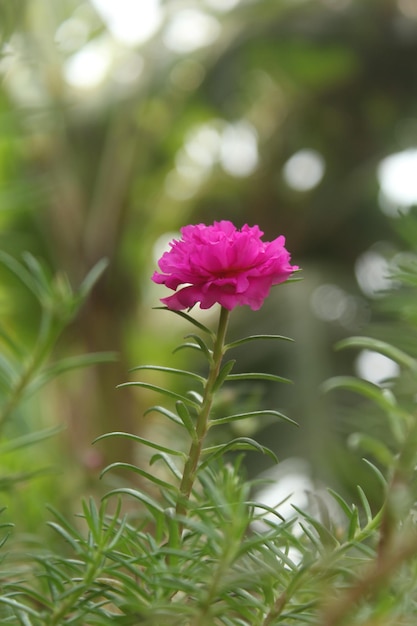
{"points": [[25, 368], [149, 554], [198, 561], [218, 571], [186, 405]]}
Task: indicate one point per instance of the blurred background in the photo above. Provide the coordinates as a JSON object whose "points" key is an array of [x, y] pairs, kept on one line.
{"points": [[123, 120]]}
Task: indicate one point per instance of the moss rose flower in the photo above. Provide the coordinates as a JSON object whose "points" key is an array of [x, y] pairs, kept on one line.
{"points": [[222, 264]]}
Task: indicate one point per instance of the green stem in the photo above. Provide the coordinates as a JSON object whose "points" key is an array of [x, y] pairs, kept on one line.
{"points": [[205, 617], [46, 338], [71, 602], [203, 417], [277, 609], [372, 579], [398, 498]]}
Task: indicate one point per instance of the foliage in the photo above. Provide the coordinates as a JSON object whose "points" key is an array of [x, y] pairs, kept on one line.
{"points": [[22, 373], [87, 172], [25, 369], [333, 76], [191, 544]]}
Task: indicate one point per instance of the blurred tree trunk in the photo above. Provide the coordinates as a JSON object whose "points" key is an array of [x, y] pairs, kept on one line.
{"points": [[84, 225]]}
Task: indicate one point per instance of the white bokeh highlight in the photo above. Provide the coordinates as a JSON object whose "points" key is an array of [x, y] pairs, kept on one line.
{"points": [[239, 149], [375, 367], [304, 170], [189, 30], [373, 273], [131, 22], [397, 177], [89, 67]]}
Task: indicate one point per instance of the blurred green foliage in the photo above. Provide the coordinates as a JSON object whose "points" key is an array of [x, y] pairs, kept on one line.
{"points": [[270, 112], [106, 145], [199, 545]]}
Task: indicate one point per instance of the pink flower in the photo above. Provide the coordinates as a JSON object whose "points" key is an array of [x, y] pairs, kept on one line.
{"points": [[220, 263]]}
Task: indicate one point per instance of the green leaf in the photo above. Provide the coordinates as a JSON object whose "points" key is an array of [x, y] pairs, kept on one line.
{"points": [[365, 503], [162, 390], [37, 598], [163, 411], [197, 396], [137, 439], [132, 618], [186, 419], [169, 370], [201, 528], [354, 526], [115, 537], [92, 277], [325, 535], [137, 470], [341, 502], [239, 342], [261, 506], [65, 534], [6, 537], [378, 473], [281, 554], [372, 446], [7, 373], [58, 578], [16, 348], [161, 456], [188, 344], [203, 346], [21, 272], [92, 517], [189, 319], [258, 376], [364, 388], [242, 416], [223, 374], [43, 277], [240, 443], [8, 482], [65, 523], [397, 355], [151, 504], [66, 365], [29, 439], [14, 604]]}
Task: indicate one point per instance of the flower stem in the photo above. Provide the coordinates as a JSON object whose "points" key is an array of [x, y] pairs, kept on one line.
{"points": [[203, 417], [46, 337], [399, 497]]}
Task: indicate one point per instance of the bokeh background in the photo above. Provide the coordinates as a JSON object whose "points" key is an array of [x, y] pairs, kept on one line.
{"points": [[122, 120]]}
